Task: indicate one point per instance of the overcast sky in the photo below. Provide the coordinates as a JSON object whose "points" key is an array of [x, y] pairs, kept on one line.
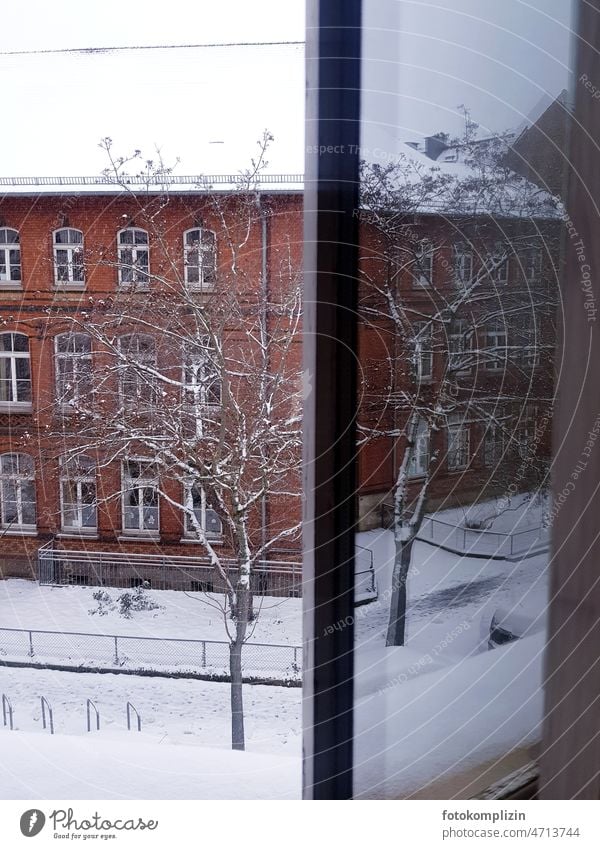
{"points": [[209, 106]]}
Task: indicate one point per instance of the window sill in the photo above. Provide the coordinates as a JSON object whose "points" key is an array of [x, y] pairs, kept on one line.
{"points": [[196, 541], [11, 286], [138, 536], [19, 532], [69, 287], [16, 407], [134, 287], [77, 535]]}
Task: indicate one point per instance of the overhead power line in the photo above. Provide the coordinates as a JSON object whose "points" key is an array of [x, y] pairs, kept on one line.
{"points": [[115, 49]]}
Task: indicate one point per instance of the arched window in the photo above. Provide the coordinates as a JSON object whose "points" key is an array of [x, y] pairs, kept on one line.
{"points": [[200, 259], [78, 494], [205, 515], [10, 258], [137, 362], [17, 491], [68, 257], [73, 360], [134, 257], [15, 369]]}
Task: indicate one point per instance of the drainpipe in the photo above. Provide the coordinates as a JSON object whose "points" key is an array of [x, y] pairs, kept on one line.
{"points": [[264, 291]]}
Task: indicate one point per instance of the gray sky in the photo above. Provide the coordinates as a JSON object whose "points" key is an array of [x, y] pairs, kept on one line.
{"points": [[496, 57]]}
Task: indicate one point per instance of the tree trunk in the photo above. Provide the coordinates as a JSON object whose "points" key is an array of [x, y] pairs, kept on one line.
{"points": [[396, 633], [237, 699]]}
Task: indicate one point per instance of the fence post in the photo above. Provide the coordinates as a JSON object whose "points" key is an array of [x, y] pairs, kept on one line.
{"points": [[89, 704], [45, 705], [203, 653], [7, 710], [511, 545], [30, 644], [116, 652]]}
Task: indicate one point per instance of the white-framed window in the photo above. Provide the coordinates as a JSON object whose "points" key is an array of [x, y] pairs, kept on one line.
{"points": [[10, 259], [140, 497], [462, 261], [460, 343], [78, 504], [494, 444], [531, 259], [73, 360], [527, 349], [423, 264], [499, 262], [205, 515], [200, 259], [17, 492], [423, 350], [68, 257], [15, 370], [418, 459], [134, 256], [495, 345], [527, 432], [459, 442], [137, 382]]}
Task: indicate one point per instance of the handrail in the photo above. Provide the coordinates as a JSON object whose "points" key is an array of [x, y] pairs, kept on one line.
{"points": [[45, 704], [7, 711], [90, 704], [130, 708]]}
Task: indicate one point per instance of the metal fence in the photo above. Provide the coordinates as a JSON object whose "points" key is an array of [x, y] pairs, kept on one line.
{"points": [[474, 542], [159, 654], [277, 577]]}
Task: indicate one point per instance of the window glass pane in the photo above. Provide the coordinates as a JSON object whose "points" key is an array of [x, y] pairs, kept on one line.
{"points": [[459, 231]]}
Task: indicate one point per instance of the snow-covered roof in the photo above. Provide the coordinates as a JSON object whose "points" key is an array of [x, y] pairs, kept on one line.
{"points": [[173, 183], [464, 187]]}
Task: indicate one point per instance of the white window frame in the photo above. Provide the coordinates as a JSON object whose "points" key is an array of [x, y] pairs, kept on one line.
{"points": [[140, 275], [527, 351], [6, 247], [423, 350], [73, 249], [532, 264], [80, 471], [462, 261], [205, 257], [423, 264], [494, 445], [460, 342], [418, 459], [19, 479], [500, 273], [202, 512], [459, 443], [495, 340], [149, 480], [14, 403], [131, 363], [81, 368]]}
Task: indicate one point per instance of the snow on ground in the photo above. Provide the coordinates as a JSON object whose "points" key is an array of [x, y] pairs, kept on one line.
{"points": [[416, 732], [180, 711], [60, 767], [26, 604]]}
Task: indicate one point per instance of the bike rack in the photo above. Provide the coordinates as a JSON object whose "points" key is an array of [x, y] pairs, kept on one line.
{"points": [[7, 711], [45, 704], [90, 704], [131, 708]]}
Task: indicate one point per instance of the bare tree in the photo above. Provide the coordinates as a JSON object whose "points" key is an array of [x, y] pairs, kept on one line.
{"points": [[192, 380], [457, 344]]}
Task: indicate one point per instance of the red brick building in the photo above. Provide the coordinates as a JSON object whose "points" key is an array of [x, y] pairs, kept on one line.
{"points": [[79, 263]]}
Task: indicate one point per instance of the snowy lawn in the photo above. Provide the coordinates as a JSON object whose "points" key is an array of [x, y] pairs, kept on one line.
{"points": [[192, 616], [44, 767]]}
